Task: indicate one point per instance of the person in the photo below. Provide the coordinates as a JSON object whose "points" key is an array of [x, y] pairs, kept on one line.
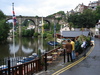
{"points": [[83, 46], [63, 43], [92, 41], [77, 47], [68, 48], [73, 49]]}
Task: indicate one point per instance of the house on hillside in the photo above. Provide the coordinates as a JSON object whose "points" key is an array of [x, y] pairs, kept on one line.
{"points": [[93, 5], [58, 15], [80, 8]]}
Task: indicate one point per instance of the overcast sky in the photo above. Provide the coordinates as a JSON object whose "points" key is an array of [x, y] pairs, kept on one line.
{"points": [[39, 7]]}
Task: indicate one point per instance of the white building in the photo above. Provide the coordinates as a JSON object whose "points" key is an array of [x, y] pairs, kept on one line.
{"points": [[31, 26], [80, 8], [93, 5]]}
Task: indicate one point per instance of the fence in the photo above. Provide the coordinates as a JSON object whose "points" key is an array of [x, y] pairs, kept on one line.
{"points": [[30, 67], [27, 68]]}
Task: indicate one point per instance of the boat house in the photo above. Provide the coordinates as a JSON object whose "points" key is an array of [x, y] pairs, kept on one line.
{"points": [[73, 34]]}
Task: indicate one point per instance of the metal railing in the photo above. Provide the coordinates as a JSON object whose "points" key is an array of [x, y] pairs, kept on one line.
{"points": [[22, 69], [26, 68]]}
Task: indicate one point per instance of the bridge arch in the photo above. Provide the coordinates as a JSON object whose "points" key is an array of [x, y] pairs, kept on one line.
{"points": [[10, 22], [48, 24], [26, 21], [35, 20]]}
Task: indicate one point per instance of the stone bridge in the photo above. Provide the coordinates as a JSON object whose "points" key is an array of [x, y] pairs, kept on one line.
{"points": [[36, 20]]}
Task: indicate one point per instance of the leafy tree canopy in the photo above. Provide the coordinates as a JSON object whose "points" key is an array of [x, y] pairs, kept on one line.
{"points": [[86, 19], [4, 27], [2, 16], [59, 12], [97, 13]]}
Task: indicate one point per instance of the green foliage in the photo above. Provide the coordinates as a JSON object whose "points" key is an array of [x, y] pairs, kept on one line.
{"points": [[87, 19], [59, 12], [58, 27], [78, 47], [35, 34], [4, 27], [44, 35], [39, 53], [87, 38], [25, 23], [46, 26], [49, 34], [79, 42], [49, 37], [74, 18], [2, 16], [97, 13], [27, 32], [59, 18], [71, 25], [51, 27], [50, 16], [36, 16]]}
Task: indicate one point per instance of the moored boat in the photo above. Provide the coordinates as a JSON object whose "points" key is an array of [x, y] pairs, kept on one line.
{"points": [[52, 43]]}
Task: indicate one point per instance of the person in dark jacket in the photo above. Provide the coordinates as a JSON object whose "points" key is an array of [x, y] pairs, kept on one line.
{"points": [[68, 47]]}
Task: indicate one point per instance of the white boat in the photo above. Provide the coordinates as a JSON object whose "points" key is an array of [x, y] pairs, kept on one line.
{"points": [[59, 40]]}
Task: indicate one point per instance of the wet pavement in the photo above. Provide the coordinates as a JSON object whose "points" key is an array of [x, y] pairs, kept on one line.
{"points": [[89, 65]]}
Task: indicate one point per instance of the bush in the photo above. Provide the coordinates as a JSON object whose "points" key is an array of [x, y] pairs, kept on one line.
{"points": [[4, 27], [35, 34], [79, 42], [28, 33]]}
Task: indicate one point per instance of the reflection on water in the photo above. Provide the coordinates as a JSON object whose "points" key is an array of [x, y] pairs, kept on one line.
{"points": [[11, 48], [23, 47]]}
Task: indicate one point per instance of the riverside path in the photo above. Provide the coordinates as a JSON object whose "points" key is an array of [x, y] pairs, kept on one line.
{"points": [[89, 65]]}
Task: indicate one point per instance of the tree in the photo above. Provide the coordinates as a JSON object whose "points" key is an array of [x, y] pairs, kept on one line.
{"points": [[74, 18], [46, 25], [4, 27], [59, 12], [85, 19], [2, 16], [97, 12]]}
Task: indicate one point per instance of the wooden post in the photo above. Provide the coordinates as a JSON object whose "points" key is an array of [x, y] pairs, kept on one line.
{"points": [[8, 66], [45, 61], [20, 70], [64, 55]]}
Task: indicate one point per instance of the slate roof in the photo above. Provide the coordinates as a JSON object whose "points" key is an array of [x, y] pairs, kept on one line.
{"points": [[74, 33]]}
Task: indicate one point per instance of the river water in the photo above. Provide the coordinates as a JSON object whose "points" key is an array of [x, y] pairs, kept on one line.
{"points": [[23, 47]]}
